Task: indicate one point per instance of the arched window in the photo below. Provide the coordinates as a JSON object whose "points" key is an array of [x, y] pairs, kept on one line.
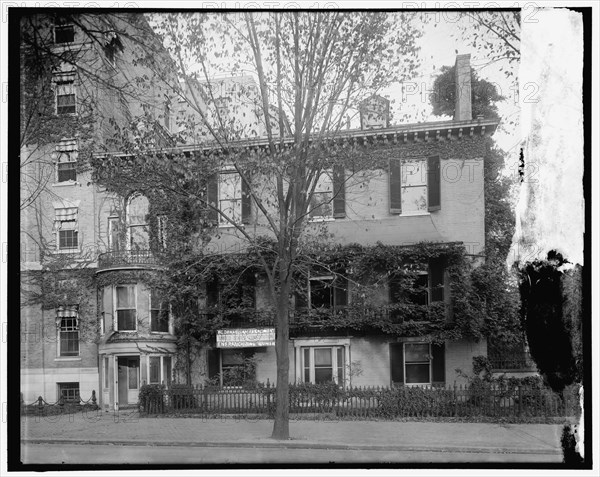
{"points": [[137, 223]]}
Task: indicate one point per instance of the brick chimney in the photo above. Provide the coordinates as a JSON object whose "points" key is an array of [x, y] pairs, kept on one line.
{"points": [[462, 79]]}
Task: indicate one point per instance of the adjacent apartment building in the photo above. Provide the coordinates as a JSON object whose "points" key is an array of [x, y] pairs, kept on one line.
{"points": [[90, 318]]}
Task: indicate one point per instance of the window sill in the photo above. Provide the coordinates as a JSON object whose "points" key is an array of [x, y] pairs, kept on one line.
{"points": [[66, 183], [321, 219], [231, 226], [161, 333], [413, 214], [67, 250], [68, 358]]}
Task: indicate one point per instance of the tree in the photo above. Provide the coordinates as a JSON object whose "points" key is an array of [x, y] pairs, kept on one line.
{"points": [[314, 68], [484, 95], [496, 33]]}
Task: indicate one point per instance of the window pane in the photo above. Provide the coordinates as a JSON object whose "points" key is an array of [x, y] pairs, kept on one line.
{"points": [[306, 352], [322, 357], [416, 352], [140, 239], [414, 173], [69, 391], [323, 375], [106, 372], [126, 320], [67, 239], [340, 365], [417, 373], [230, 186], [67, 172], [232, 208], [321, 204], [414, 199], [154, 369], [167, 369], [133, 373], [321, 293], [64, 34], [125, 297], [137, 210], [231, 357]]}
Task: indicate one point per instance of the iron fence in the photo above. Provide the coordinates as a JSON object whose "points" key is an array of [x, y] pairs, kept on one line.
{"points": [[375, 402]]}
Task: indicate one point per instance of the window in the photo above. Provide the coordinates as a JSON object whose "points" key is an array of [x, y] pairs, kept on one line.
{"points": [[66, 101], [137, 213], [66, 226], [113, 234], [414, 186], [64, 31], [321, 201], [68, 391], [323, 364], [163, 222], [231, 195], [159, 313], [68, 332], [328, 292], [125, 309], [106, 378], [233, 299], [234, 367], [159, 370], [66, 161], [424, 288], [417, 363]]}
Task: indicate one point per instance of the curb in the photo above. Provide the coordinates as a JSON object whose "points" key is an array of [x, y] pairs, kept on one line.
{"points": [[298, 445]]}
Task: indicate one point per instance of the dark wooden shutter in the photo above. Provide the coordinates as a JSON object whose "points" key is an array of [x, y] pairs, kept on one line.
{"points": [[436, 279], [397, 363], [341, 291], [246, 201], [212, 358], [212, 293], [212, 197], [438, 363], [339, 192], [434, 198], [395, 187]]}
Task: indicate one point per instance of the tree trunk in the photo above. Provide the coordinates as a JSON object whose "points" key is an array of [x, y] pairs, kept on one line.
{"points": [[281, 427]]}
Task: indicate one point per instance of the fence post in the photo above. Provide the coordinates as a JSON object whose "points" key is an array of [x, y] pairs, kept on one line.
{"points": [[455, 401], [520, 401], [40, 400], [94, 398]]}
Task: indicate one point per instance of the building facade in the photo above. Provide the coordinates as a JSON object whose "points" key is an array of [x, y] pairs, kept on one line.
{"points": [[91, 318]]}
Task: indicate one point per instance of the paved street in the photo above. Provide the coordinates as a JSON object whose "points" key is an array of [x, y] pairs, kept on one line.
{"points": [[68, 439]]}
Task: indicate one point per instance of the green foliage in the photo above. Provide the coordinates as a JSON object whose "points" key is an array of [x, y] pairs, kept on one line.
{"points": [[484, 95]]}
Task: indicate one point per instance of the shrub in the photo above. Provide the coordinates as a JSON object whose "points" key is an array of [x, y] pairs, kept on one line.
{"points": [[151, 398]]}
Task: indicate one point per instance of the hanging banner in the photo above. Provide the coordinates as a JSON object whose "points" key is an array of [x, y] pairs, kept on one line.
{"points": [[245, 337]]}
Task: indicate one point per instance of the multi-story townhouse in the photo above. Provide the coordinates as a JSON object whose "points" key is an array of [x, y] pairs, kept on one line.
{"points": [[78, 94], [403, 224]]}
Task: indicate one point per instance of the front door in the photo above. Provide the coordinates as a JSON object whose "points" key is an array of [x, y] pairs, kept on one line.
{"points": [[129, 379]]}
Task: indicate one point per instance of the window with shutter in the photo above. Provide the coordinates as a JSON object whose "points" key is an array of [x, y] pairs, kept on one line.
{"points": [[414, 186]]}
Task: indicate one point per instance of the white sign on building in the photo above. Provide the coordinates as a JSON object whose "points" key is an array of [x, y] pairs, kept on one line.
{"points": [[245, 337]]}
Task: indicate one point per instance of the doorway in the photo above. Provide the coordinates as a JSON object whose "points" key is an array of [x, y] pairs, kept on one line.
{"points": [[128, 379]]}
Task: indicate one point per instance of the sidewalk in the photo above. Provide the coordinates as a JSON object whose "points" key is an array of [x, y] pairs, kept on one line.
{"points": [[127, 428]]}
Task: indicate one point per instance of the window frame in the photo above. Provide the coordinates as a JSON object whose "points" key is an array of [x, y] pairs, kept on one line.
{"points": [[67, 24], [405, 185], [117, 308], [398, 182], [71, 314], [429, 363], [70, 386], [336, 367], [161, 303], [143, 226], [106, 376], [325, 181], [161, 369], [237, 198], [113, 233], [64, 80]]}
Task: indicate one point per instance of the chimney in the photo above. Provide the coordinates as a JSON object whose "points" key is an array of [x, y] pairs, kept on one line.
{"points": [[462, 79]]}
